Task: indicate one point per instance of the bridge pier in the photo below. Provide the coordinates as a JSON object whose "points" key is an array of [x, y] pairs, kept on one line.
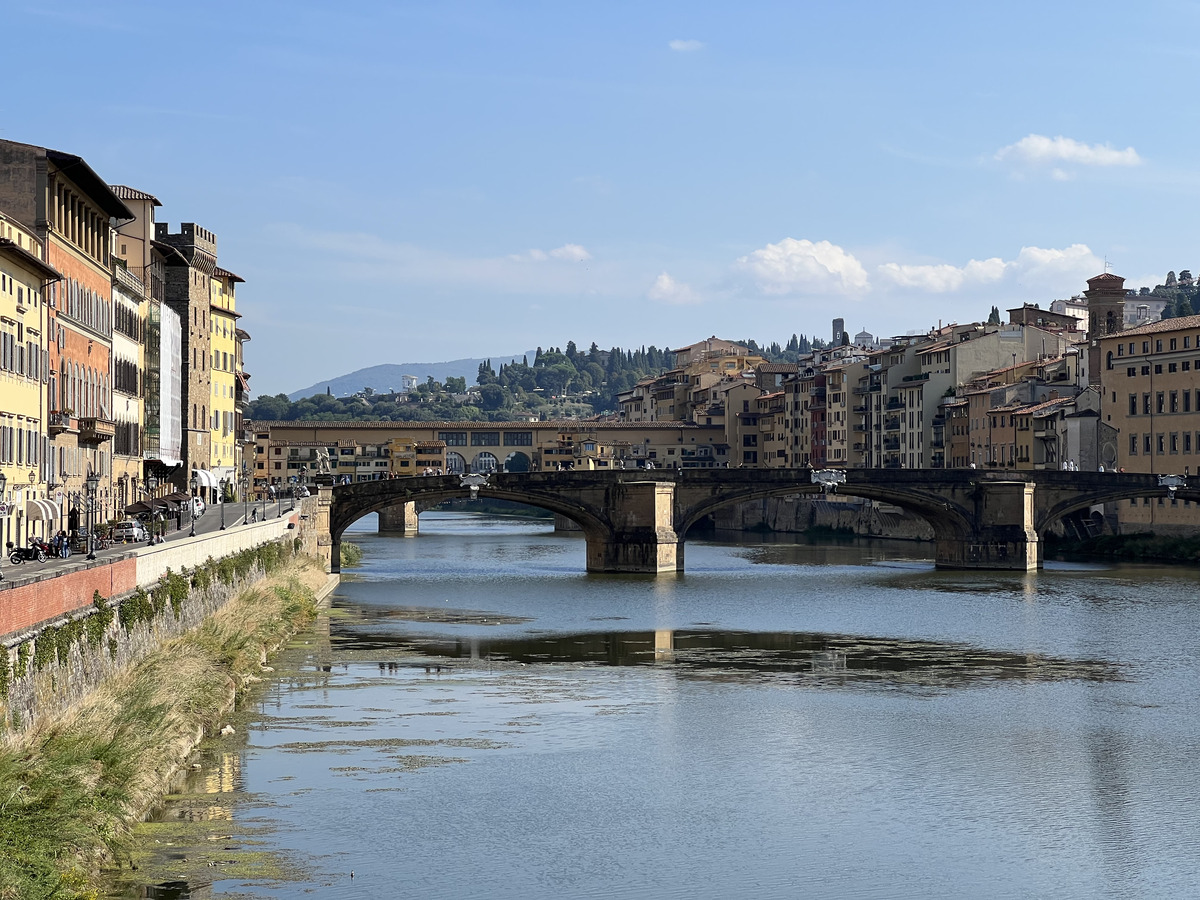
{"points": [[399, 519], [1003, 534], [642, 539]]}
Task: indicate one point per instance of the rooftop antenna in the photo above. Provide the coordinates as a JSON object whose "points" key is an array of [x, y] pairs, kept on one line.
{"points": [[1107, 265]]}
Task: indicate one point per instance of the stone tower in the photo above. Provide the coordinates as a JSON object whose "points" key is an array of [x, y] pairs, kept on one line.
{"points": [[1106, 315], [189, 270]]}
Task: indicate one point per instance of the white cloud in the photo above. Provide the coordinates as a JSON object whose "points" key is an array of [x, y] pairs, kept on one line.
{"points": [[685, 46], [573, 252], [667, 290], [1035, 269], [804, 267], [942, 278], [1037, 150], [570, 252]]}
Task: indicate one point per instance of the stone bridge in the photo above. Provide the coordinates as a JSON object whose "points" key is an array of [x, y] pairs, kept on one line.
{"points": [[636, 521]]}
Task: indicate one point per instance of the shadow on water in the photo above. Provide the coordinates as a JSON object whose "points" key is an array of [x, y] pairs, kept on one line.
{"points": [[804, 657]]}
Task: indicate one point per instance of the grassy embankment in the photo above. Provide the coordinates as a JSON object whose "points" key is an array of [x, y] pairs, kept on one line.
{"points": [[1144, 547], [70, 791]]}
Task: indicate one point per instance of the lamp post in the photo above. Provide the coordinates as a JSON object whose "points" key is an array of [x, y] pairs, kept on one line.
{"points": [[245, 495], [3, 485], [92, 483], [195, 482], [151, 486], [221, 492]]}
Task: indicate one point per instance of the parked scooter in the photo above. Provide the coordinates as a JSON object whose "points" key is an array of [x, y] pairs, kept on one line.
{"points": [[18, 555]]}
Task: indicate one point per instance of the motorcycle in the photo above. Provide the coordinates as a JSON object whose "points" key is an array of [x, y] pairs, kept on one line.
{"points": [[18, 555]]}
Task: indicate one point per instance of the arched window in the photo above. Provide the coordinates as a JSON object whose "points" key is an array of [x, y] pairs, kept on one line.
{"points": [[1109, 359]]}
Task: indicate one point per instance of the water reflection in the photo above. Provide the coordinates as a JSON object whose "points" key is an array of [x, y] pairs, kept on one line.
{"points": [[802, 656]]}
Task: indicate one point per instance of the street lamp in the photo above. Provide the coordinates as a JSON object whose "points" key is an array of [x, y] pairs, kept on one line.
{"points": [[92, 483], [224, 483], [151, 486], [3, 485], [195, 482]]}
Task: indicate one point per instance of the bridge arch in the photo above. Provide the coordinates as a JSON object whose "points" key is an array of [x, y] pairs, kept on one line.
{"points": [[946, 518], [1059, 508], [352, 502], [517, 462], [485, 463]]}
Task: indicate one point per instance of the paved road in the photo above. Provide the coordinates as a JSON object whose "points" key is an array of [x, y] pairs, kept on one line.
{"points": [[208, 523]]}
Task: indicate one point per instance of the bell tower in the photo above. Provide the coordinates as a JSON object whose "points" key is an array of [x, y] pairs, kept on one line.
{"points": [[1106, 315]]}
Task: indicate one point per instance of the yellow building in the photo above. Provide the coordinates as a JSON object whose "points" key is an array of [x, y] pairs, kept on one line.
{"points": [[226, 443], [25, 507], [1149, 393]]}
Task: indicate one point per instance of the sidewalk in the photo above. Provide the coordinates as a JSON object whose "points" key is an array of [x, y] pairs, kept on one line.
{"points": [[209, 523]]}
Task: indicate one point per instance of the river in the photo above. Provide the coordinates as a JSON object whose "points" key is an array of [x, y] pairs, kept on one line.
{"points": [[478, 717]]}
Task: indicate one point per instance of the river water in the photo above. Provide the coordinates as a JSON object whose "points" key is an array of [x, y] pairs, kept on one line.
{"points": [[479, 717]]}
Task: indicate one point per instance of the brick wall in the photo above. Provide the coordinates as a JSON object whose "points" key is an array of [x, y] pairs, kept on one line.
{"points": [[25, 606]]}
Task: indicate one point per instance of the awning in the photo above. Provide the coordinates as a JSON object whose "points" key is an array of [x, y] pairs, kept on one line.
{"points": [[134, 509], [46, 510], [178, 497], [205, 478]]}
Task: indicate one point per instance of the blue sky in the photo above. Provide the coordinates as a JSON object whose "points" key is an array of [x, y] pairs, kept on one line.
{"points": [[402, 182]]}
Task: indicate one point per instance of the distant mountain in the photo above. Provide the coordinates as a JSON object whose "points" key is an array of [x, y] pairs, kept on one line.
{"points": [[386, 378]]}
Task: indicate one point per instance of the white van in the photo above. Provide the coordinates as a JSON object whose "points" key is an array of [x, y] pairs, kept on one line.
{"points": [[198, 507]]}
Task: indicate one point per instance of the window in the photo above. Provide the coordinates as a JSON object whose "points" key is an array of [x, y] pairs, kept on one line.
{"points": [[1145, 404], [1158, 368], [1160, 403], [1158, 346], [1172, 367], [518, 438], [485, 439], [1146, 443], [1145, 370], [1172, 345], [1187, 442], [1160, 443], [1130, 372], [1174, 442], [453, 438], [1133, 404]]}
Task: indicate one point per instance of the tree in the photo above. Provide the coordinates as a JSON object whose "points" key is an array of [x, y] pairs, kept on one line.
{"points": [[487, 375], [1168, 311], [994, 316], [1184, 308], [1185, 277], [456, 385], [1170, 279], [492, 396]]}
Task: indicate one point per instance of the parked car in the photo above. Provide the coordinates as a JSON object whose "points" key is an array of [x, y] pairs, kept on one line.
{"points": [[198, 507], [129, 530]]}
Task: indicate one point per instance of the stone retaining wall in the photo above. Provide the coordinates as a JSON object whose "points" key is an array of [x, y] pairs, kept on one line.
{"points": [[36, 693]]}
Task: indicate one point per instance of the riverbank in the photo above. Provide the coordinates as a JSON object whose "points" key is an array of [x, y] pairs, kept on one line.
{"points": [[1144, 547], [75, 786]]}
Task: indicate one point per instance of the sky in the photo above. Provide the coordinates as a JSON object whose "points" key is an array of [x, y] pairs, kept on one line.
{"points": [[413, 182]]}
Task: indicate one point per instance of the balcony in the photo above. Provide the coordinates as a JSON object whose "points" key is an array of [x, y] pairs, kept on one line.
{"points": [[892, 424], [895, 404], [62, 423], [94, 430], [891, 445]]}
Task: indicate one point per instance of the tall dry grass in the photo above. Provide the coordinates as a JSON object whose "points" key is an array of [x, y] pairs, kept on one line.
{"points": [[71, 791]]}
